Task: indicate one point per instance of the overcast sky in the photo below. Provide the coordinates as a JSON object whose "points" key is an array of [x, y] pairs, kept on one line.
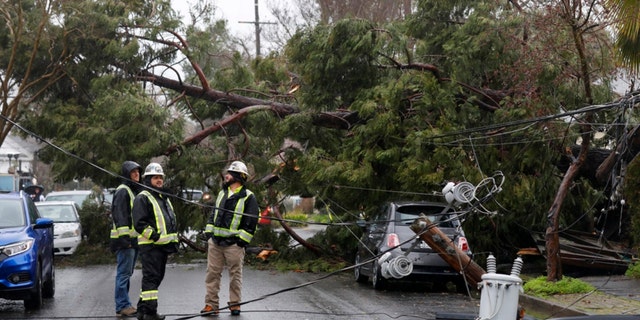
{"points": [[235, 11]]}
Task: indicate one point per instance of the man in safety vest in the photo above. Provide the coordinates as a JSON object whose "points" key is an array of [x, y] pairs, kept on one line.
{"points": [[230, 228], [124, 239], [155, 221]]}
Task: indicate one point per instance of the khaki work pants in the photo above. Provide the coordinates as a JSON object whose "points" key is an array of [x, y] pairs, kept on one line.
{"points": [[217, 258]]}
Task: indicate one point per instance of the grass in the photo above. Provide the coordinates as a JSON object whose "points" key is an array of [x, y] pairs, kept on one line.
{"points": [[540, 287], [633, 271]]}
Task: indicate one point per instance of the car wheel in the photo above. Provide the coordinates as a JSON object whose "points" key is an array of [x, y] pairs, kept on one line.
{"points": [[49, 287], [35, 297], [357, 271], [379, 282]]}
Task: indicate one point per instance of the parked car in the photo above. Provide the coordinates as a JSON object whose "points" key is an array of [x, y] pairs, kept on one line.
{"points": [[389, 226], [192, 194], [26, 251], [77, 196], [67, 231]]}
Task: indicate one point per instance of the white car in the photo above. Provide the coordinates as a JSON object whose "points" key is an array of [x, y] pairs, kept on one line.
{"points": [[67, 231], [77, 196]]}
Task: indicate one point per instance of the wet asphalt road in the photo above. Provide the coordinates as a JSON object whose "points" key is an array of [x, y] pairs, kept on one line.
{"points": [[87, 293]]}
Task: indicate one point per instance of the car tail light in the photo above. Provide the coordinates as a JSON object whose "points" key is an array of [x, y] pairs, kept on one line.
{"points": [[392, 240], [463, 244]]}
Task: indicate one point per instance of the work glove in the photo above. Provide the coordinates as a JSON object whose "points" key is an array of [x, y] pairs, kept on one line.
{"points": [[208, 235], [155, 236]]}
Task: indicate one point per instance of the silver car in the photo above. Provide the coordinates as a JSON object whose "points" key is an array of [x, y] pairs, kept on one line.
{"points": [[390, 250]]}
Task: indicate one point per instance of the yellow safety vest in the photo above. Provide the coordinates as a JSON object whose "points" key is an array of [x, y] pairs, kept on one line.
{"points": [[117, 232], [233, 230], [165, 236]]}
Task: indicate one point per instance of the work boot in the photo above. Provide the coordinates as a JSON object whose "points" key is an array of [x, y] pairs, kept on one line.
{"points": [[234, 307], [148, 316], [129, 311], [210, 311]]}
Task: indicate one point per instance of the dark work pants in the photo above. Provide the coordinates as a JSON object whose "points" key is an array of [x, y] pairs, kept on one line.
{"points": [[154, 261]]}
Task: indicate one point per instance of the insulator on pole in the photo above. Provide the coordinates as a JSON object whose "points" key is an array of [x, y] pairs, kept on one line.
{"points": [[491, 263], [517, 267]]}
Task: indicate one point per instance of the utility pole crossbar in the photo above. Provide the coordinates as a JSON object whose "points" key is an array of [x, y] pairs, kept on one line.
{"points": [[257, 24]]}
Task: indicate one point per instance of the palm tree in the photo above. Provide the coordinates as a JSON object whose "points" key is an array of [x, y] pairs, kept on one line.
{"points": [[626, 14]]}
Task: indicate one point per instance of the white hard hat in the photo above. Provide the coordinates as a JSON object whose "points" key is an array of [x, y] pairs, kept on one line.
{"points": [[153, 169], [238, 166]]}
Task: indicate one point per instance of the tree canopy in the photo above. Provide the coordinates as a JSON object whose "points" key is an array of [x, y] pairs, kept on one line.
{"points": [[353, 111]]}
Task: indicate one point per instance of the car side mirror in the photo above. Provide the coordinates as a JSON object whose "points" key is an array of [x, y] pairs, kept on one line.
{"points": [[43, 223]]}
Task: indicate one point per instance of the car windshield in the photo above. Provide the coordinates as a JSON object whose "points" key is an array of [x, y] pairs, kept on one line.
{"points": [[405, 215], [58, 213], [11, 214]]}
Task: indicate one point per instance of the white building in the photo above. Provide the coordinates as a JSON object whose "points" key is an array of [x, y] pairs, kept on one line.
{"points": [[17, 154]]}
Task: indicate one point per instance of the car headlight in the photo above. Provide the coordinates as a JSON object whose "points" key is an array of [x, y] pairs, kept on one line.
{"points": [[17, 248], [70, 234]]}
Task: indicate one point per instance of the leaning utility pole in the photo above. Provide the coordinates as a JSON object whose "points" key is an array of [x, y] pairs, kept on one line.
{"points": [[445, 248], [257, 24]]}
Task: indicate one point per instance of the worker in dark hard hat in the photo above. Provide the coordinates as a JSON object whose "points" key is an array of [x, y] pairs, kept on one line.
{"points": [[229, 230], [155, 221], [124, 239]]}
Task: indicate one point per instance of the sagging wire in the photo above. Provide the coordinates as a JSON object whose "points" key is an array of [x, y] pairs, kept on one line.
{"points": [[308, 283], [434, 193], [592, 108]]}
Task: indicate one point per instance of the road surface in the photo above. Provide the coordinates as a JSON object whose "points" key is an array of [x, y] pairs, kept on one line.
{"points": [[87, 293]]}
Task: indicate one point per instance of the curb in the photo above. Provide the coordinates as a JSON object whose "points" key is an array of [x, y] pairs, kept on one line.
{"points": [[541, 306]]}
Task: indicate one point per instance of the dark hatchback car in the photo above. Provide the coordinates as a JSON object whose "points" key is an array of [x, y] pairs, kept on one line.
{"points": [[414, 260], [26, 251]]}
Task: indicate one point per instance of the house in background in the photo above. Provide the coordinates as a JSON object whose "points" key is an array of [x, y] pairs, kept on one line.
{"points": [[17, 157]]}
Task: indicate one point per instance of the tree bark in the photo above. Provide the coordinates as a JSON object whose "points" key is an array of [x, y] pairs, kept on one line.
{"points": [[293, 234], [552, 245]]}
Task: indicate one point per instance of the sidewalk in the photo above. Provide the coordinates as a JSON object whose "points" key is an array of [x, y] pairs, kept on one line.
{"points": [[614, 295]]}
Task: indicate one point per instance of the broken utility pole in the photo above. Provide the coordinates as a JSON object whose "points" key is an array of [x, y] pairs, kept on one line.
{"points": [[444, 246]]}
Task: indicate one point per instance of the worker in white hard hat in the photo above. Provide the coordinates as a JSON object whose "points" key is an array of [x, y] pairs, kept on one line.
{"points": [[155, 221], [229, 230]]}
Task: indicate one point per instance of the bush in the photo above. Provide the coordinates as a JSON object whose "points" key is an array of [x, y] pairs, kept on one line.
{"points": [[96, 223], [633, 271], [543, 288]]}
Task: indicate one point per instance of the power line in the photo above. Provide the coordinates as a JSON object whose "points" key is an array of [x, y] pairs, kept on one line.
{"points": [[592, 108]]}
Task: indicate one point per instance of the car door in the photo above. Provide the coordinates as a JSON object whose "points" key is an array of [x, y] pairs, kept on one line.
{"points": [[44, 237]]}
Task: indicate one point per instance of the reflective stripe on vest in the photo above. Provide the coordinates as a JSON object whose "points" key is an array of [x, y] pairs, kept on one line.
{"points": [[149, 295], [124, 230], [165, 237], [235, 221]]}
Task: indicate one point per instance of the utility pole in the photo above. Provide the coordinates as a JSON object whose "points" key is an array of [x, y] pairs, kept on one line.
{"points": [[257, 24]]}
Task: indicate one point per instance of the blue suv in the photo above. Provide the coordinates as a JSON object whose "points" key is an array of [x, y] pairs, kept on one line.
{"points": [[26, 251]]}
